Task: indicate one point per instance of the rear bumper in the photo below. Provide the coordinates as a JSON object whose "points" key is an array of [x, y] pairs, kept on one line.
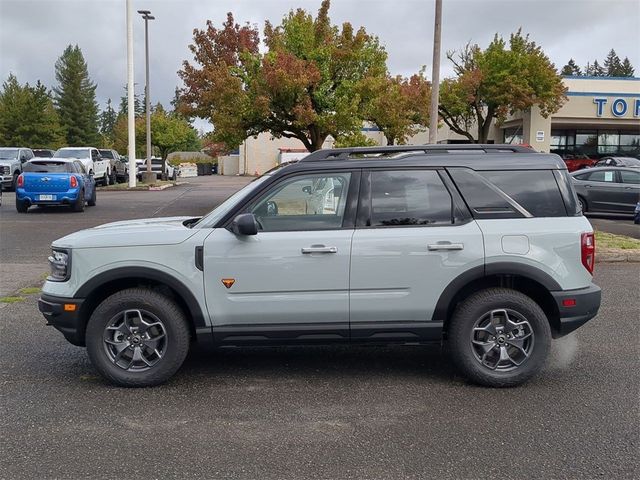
{"points": [[33, 198], [586, 302], [58, 313]]}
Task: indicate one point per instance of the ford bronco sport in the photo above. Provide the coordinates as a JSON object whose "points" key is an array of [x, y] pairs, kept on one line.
{"points": [[481, 247]]}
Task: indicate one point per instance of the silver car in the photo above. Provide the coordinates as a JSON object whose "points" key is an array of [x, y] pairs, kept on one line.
{"points": [[608, 189]]}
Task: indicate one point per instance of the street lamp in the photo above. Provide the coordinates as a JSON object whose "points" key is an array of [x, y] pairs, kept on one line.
{"points": [[146, 14]]}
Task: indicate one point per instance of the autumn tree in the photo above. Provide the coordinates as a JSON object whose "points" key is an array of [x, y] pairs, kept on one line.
{"points": [[305, 85], [28, 117], [571, 68], [398, 106], [75, 98], [500, 80]]}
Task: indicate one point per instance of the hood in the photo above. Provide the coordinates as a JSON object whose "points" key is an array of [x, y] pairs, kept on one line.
{"points": [[130, 233], [8, 161]]}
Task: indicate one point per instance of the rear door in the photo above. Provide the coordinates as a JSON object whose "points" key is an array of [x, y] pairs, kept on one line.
{"points": [[630, 181], [410, 243]]}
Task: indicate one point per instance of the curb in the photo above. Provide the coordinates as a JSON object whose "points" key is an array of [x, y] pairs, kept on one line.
{"points": [[614, 255]]}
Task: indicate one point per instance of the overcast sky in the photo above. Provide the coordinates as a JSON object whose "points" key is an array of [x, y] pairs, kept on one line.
{"points": [[33, 33]]}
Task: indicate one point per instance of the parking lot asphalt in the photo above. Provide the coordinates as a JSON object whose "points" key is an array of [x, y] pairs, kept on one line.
{"points": [[307, 412]]}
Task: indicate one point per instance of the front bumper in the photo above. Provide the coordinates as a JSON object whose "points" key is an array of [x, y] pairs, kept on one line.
{"points": [[576, 307], [64, 315], [6, 180]]}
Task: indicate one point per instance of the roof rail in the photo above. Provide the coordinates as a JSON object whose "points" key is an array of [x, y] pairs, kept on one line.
{"points": [[345, 153]]}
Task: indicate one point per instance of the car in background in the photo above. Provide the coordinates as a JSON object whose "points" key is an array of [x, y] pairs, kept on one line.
{"points": [[156, 166], [113, 158], [43, 152], [55, 181], [578, 161], [608, 189], [90, 158], [122, 168], [618, 162], [11, 161]]}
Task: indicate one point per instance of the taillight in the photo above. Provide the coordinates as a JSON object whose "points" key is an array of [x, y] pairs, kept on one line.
{"points": [[588, 249], [74, 182], [20, 180]]}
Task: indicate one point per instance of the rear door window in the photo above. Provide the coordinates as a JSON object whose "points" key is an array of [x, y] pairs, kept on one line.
{"points": [[409, 198], [608, 176]]}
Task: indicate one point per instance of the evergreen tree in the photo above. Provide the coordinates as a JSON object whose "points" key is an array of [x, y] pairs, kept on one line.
{"points": [[597, 70], [571, 68], [138, 107], [626, 69], [612, 65], [28, 117], [108, 119], [75, 98]]}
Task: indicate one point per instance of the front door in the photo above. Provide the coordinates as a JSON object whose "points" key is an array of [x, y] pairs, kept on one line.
{"points": [[630, 196], [407, 248], [289, 282]]}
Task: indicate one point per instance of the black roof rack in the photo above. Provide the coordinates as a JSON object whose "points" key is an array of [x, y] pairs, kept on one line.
{"points": [[368, 152]]}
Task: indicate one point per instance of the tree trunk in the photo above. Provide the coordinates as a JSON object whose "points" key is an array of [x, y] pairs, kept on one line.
{"points": [[317, 138]]}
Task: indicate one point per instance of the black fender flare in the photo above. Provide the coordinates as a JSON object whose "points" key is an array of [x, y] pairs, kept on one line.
{"points": [[490, 269], [123, 273]]}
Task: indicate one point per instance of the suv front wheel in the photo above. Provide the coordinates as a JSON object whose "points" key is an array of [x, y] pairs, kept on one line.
{"points": [[137, 338], [499, 337]]}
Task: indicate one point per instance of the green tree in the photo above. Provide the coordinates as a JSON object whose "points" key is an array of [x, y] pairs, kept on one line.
{"points": [[169, 133], [612, 64], [626, 69], [571, 68], [28, 117], [595, 70], [138, 106], [108, 119], [354, 139], [75, 98], [304, 86], [500, 80]]}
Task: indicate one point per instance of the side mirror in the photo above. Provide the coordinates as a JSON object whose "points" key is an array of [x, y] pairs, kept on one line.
{"points": [[245, 224], [23, 159]]}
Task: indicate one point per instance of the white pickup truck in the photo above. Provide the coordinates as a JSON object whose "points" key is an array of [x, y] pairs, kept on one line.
{"points": [[90, 158]]}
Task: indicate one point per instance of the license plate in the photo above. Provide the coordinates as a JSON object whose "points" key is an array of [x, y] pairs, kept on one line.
{"points": [[46, 197]]}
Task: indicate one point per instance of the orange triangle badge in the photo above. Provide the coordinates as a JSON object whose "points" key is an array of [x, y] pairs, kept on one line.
{"points": [[228, 282]]}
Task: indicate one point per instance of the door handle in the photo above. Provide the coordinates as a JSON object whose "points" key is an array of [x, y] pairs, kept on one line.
{"points": [[319, 249], [445, 246]]}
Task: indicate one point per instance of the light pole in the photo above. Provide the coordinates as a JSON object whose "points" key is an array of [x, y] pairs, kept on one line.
{"points": [[435, 75], [146, 14], [131, 121]]}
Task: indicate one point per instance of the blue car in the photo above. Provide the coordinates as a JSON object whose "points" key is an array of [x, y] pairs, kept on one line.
{"points": [[55, 181]]}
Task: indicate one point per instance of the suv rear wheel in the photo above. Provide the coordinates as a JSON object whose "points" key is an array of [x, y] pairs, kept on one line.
{"points": [[499, 337], [137, 338]]}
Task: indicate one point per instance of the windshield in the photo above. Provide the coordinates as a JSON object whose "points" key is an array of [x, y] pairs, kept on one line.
{"points": [[63, 153], [8, 153], [46, 167], [630, 162], [225, 207]]}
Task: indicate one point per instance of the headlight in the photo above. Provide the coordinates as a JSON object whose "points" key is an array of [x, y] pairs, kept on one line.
{"points": [[60, 263]]}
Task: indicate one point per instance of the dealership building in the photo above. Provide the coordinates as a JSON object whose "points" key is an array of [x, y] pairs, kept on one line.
{"points": [[601, 117]]}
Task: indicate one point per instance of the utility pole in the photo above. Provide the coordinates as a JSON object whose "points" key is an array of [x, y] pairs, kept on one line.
{"points": [[131, 121], [146, 14], [435, 75]]}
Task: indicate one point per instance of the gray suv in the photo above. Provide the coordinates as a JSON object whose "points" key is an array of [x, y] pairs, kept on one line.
{"points": [[480, 247]]}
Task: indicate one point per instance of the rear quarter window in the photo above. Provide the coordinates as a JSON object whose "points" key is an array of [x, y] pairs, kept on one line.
{"points": [[511, 193]]}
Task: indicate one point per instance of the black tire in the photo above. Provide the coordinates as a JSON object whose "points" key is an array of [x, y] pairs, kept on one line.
{"points": [[176, 337], [14, 182], [78, 206], [583, 204], [92, 201], [461, 330], [21, 206]]}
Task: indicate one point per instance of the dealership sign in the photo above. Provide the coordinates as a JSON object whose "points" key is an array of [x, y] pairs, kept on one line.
{"points": [[620, 107]]}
